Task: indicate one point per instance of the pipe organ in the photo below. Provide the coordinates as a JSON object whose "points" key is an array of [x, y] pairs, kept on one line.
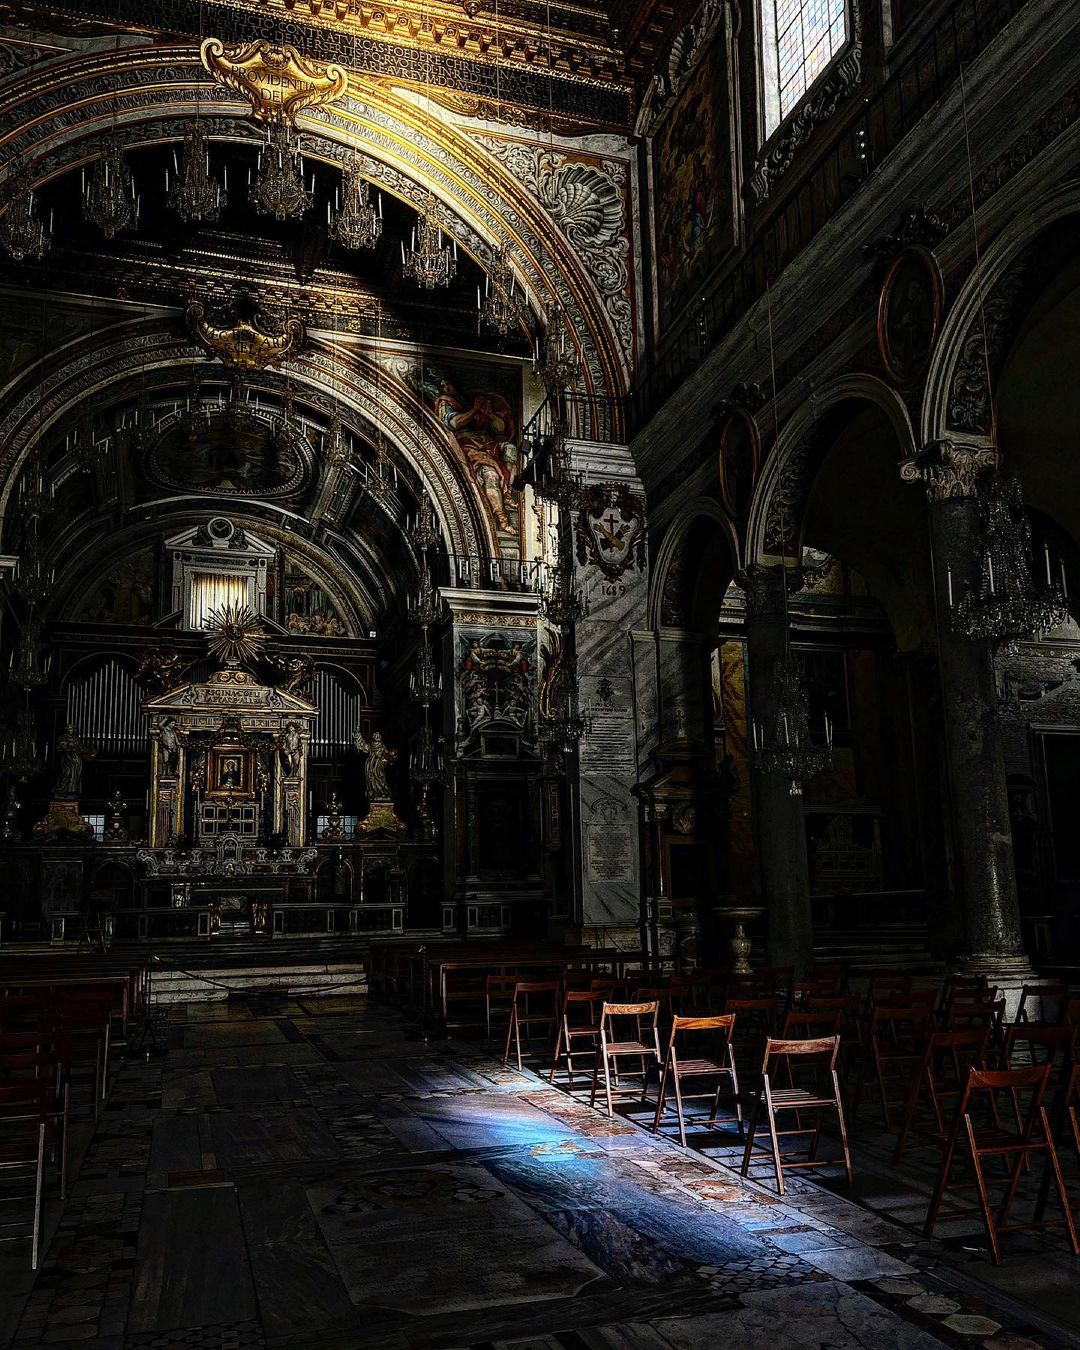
{"points": [[106, 706]]}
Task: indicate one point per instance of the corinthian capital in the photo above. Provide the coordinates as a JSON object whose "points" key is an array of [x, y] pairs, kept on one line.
{"points": [[949, 469]]}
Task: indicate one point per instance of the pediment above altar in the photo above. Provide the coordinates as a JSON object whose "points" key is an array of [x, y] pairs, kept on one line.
{"points": [[230, 690]]}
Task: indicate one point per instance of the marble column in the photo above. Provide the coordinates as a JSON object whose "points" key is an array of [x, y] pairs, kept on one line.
{"points": [[984, 879], [779, 824], [608, 525]]}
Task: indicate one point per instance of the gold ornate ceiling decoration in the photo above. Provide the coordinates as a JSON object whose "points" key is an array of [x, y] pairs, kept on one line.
{"points": [[246, 345], [279, 82]]}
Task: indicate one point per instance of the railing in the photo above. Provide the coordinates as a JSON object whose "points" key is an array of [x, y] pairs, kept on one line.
{"points": [[882, 123], [523, 576], [320, 919]]}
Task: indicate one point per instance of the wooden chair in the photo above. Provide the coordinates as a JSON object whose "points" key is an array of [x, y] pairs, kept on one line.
{"points": [[24, 1106], [578, 1022], [940, 1080], [959, 986], [772, 1100], [986, 1010], [811, 1025], [850, 1027], [719, 1064], [30, 1056], [525, 1014], [883, 985], [643, 1045], [896, 1036], [1013, 1148]]}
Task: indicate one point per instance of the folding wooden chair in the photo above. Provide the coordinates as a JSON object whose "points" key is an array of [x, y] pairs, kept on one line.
{"points": [[809, 1026], [1013, 1148], [30, 1057], [939, 1080], [719, 1064], [578, 1022], [883, 985], [959, 986], [498, 1000], [24, 1107], [896, 1036], [772, 1099], [524, 1013], [643, 1045]]}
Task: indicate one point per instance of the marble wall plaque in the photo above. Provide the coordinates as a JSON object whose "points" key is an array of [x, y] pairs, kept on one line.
{"points": [[609, 852], [609, 746]]}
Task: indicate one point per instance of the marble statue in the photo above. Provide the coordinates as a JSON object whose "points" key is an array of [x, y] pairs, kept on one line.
{"points": [[292, 748]]}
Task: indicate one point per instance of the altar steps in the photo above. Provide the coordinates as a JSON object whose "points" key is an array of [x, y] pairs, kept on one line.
{"points": [[246, 967], [901, 947]]}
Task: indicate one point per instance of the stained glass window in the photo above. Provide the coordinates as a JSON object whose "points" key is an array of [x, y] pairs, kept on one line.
{"points": [[801, 37]]}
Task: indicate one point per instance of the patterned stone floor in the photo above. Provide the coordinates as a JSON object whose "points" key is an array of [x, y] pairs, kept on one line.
{"points": [[312, 1175]]}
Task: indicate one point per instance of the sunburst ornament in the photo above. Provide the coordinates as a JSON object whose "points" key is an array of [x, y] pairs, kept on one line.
{"points": [[235, 634]]}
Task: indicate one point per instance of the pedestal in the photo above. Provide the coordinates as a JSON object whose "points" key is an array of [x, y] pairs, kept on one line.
{"points": [[381, 817], [62, 818]]}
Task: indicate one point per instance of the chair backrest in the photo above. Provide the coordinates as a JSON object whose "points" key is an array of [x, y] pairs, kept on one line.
{"points": [[1052, 1039], [499, 984], [551, 987], [750, 1005], [649, 1008], [895, 1025], [777, 1048], [811, 1024], [912, 998], [23, 1099], [1034, 998], [969, 1044], [576, 999], [885, 982], [722, 1024], [1013, 1081], [989, 1011]]}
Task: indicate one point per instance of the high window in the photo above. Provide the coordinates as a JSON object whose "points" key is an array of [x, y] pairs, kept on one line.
{"points": [[800, 38]]}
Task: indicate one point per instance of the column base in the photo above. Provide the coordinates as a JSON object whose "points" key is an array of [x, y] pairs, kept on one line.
{"points": [[1008, 974]]}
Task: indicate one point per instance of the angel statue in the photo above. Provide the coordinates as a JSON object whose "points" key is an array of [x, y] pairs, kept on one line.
{"points": [[379, 758]]}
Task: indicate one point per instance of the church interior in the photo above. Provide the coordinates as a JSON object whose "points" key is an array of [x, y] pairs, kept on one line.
{"points": [[539, 674]]}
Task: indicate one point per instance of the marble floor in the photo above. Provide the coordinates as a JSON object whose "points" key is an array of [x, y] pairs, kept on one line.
{"points": [[314, 1175]]}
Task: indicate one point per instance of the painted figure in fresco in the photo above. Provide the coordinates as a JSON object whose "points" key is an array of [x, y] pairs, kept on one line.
{"points": [[169, 744], [379, 758], [72, 755], [292, 748], [485, 431]]}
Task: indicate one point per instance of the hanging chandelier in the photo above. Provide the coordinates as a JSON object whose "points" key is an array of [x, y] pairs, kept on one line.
{"points": [[555, 364], [20, 754], [429, 260], [110, 200], [1007, 603], [277, 188], [22, 231], [357, 222], [562, 726], [30, 664], [497, 305], [562, 601], [784, 746], [194, 193]]}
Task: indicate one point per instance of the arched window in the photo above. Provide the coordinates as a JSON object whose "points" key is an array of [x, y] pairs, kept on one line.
{"points": [[799, 39]]}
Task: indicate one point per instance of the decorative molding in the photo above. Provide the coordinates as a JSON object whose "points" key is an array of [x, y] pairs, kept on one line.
{"points": [[950, 470], [687, 48], [918, 225], [764, 588], [983, 348], [280, 82], [825, 96], [788, 497], [245, 345], [588, 203]]}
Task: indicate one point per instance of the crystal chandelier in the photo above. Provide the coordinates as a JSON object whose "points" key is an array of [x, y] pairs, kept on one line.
{"points": [[22, 231], [194, 194], [20, 754], [277, 188], [1007, 603], [429, 260], [29, 668], [357, 222], [562, 602], [784, 747], [555, 365], [498, 307], [109, 198]]}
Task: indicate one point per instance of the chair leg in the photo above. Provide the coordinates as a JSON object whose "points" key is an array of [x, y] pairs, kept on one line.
{"points": [[596, 1073], [1059, 1179], [679, 1109], [751, 1131], [35, 1248], [517, 1037], [984, 1195], [661, 1094], [773, 1135], [607, 1083], [509, 1033], [64, 1144], [555, 1058], [842, 1123]]}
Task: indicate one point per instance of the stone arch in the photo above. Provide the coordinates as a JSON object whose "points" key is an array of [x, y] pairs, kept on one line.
{"points": [[957, 374], [38, 401], [52, 118], [669, 558], [775, 525]]}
